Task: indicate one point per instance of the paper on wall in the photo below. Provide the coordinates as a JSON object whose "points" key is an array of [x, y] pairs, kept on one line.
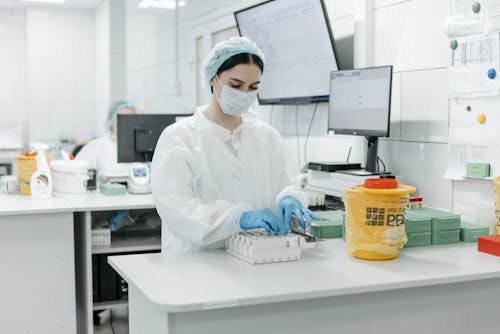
{"points": [[493, 22], [470, 63], [462, 20]]}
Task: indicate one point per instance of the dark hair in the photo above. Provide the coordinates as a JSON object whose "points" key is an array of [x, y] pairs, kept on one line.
{"points": [[240, 58]]}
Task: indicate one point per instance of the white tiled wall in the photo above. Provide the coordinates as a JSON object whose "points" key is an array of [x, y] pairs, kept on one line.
{"points": [[410, 36], [424, 109], [13, 86], [150, 51], [110, 56], [60, 73]]}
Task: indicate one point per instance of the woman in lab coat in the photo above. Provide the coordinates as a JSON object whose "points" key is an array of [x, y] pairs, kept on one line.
{"points": [[221, 171], [102, 153]]}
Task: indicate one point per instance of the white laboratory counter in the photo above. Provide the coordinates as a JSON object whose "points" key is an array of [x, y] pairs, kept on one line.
{"points": [[37, 281], [435, 289], [22, 205], [45, 253], [96, 201]]}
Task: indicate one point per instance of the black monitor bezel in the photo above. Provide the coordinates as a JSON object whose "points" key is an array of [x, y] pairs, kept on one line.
{"points": [[301, 99], [139, 157], [364, 132]]}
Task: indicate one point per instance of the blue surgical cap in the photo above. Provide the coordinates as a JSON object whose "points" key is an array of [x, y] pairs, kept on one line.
{"points": [[223, 51], [114, 109]]}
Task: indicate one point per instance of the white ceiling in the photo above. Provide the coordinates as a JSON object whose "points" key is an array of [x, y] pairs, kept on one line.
{"points": [[67, 4]]}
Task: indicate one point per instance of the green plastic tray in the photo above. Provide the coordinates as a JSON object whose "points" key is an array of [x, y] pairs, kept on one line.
{"points": [[419, 239], [469, 232], [445, 237]]}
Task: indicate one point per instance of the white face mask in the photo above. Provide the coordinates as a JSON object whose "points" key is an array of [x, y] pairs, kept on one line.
{"points": [[233, 101]]}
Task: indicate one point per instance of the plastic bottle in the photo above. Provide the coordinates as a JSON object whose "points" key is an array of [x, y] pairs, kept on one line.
{"points": [[41, 180]]}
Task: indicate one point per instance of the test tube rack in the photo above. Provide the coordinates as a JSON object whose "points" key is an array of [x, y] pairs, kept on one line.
{"points": [[261, 247]]}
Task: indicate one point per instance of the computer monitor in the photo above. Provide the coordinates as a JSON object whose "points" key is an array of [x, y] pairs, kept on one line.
{"points": [[138, 134], [297, 41], [360, 105]]}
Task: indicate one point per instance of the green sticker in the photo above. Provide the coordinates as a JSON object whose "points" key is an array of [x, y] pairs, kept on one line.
{"points": [[476, 7], [453, 44]]}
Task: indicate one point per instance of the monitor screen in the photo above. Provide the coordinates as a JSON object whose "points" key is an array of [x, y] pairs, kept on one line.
{"points": [[360, 101], [297, 42], [138, 134]]}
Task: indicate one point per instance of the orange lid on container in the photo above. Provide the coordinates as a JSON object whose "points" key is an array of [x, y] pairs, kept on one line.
{"points": [[381, 183]]}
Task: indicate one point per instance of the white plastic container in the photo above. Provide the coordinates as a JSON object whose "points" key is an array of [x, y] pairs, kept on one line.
{"points": [[70, 176]]}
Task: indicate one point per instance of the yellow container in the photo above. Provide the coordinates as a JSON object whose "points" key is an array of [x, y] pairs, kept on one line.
{"points": [[26, 166], [375, 211]]}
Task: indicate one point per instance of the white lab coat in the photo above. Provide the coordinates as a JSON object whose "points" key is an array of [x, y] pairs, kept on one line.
{"points": [[204, 177], [102, 154]]}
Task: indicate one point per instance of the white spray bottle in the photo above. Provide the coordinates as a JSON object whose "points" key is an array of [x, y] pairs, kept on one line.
{"points": [[41, 180]]}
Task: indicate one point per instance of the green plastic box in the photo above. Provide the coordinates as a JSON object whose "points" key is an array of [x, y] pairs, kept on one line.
{"points": [[326, 229], [418, 239], [478, 169], [417, 224], [445, 237], [113, 189], [441, 220], [328, 225], [469, 232], [330, 214]]}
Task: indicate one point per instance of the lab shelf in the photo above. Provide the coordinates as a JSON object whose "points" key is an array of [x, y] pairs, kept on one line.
{"points": [[107, 305], [129, 245]]}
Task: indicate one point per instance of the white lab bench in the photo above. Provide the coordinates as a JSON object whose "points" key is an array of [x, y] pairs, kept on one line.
{"points": [[85, 205], [434, 289], [37, 280], [46, 252]]}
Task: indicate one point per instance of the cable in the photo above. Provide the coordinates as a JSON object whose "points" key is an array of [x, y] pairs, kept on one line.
{"points": [[309, 133], [297, 130], [382, 161], [111, 321]]}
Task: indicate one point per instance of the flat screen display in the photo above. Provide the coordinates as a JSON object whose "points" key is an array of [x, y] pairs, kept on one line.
{"points": [[297, 41], [360, 101]]}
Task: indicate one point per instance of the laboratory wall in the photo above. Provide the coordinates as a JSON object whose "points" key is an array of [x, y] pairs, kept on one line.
{"points": [[60, 74], [152, 61], [13, 85], [110, 57], [410, 35]]}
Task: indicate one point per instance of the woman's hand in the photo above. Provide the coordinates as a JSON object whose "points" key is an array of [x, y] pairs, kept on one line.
{"points": [[289, 206], [263, 218]]}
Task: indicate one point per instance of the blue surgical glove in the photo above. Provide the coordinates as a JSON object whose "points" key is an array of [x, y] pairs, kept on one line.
{"points": [[289, 206], [263, 218]]}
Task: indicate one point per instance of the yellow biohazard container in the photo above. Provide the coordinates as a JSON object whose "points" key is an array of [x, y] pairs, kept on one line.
{"points": [[25, 167], [375, 211]]}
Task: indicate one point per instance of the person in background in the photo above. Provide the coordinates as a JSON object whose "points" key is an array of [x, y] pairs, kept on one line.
{"points": [[221, 171], [102, 153]]}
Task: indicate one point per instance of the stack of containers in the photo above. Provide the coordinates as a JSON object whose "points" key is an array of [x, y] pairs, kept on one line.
{"points": [[418, 228], [430, 226], [445, 227], [496, 185], [328, 224]]}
